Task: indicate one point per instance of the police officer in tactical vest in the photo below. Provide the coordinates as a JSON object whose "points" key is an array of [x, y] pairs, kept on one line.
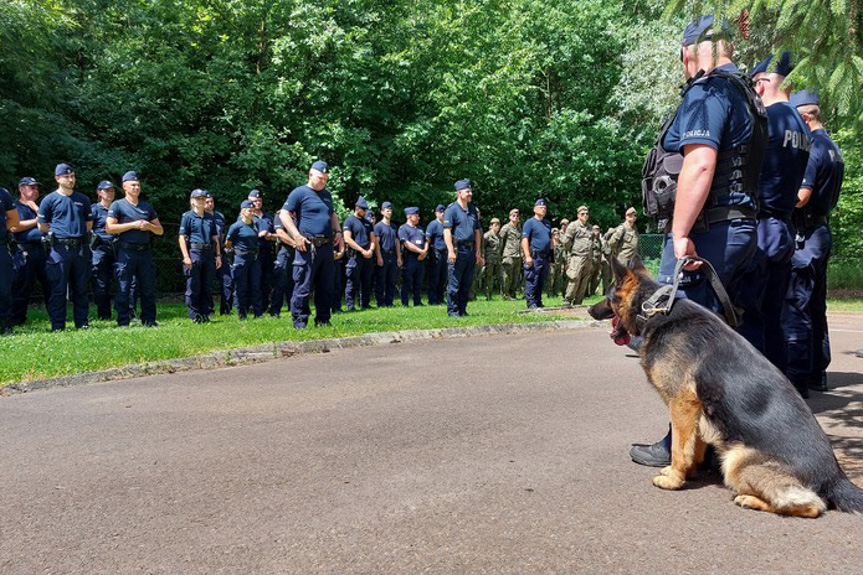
{"points": [[707, 161]]}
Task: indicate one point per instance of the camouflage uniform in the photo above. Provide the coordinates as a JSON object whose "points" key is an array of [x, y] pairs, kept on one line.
{"points": [[624, 243], [556, 283], [578, 243], [511, 259], [598, 253], [492, 270]]}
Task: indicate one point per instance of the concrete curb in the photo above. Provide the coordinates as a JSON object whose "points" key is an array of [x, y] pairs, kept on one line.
{"points": [[859, 353], [271, 351]]}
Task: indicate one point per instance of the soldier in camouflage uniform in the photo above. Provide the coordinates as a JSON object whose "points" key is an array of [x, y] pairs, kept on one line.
{"points": [[511, 258], [493, 248], [598, 253], [624, 240], [555, 275], [578, 243]]}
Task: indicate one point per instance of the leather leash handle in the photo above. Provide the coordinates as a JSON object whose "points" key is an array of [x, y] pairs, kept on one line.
{"points": [[729, 311]]}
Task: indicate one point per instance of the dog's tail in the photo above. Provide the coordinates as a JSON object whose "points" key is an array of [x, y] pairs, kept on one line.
{"points": [[845, 496]]}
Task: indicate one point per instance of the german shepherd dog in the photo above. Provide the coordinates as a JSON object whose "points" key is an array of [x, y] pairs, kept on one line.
{"points": [[721, 391]]}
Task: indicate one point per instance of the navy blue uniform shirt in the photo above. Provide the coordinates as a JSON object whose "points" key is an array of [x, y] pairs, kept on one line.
{"points": [[6, 204], [312, 211], [538, 233], [409, 234], [360, 230], [244, 236], [198, 229], [434, 233], [784, 160], [824, 173], [124, 212], [100, 216], [462, 222], [264, 222], [387, 236], [221, 226], [67, 215], [714, 113], [31, 236]]}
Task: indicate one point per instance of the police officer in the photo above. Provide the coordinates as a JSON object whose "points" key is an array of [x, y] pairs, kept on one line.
{"points": [[415, 249], [283, 277], [805, 314], [623, 241], [315, 231], [31, 256], [242, 238], [199, 246], [538, 246], [493, 250], [765, 283], [511, 262], [135, 224], [578, 242], [359, 236], [102, 247], [266, 245], [438, 259], [8, 220], [65, 216], [389, 256], [720, 129], [223, 274], [463, 237]]}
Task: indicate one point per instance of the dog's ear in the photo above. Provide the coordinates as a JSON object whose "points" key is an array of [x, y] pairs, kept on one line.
{"points": [[619, 270], [636, 265]]}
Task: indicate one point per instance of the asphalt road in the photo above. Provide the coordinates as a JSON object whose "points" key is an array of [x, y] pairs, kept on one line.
{"points": [[489, 455]]}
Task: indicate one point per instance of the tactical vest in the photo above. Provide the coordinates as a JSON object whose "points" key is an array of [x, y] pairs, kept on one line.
{"points": [[736, 170]]}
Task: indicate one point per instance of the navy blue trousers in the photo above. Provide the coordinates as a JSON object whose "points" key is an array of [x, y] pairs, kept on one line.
{"points": [[6, 274], [68, 269], [385, 282], [198, 281], [413, 273], [338, 282], [358, 289], [534, 280], [31, 260], [763, 288], [102, 275], [246, 271], [460, 278], [136, 278], [437, 279], [313, 268], [267, 260], [805, 315], [283, 280]]}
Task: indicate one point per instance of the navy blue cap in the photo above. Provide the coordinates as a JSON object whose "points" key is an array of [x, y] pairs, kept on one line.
{"points": [[805, 98], [411, 211], [696, 31], [440, 208], [247, 204], [131, 176], [320, 166], [783, 67], [540, 202], [386, 206], [254, 194], [361, 203], [63, 170], [28, 181], [104, 185], [462, 185], [208, 194], [198, 193]]}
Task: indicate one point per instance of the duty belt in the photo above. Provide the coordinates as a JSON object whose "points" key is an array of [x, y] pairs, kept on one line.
{"points": [[319, 241], [134, 247], [245, 252], [389, 252], [69, 242], [722, 214], [25, 245], [465, 243], [196, 246]]}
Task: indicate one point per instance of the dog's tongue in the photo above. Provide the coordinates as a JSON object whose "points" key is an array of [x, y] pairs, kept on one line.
{"points": [[622, 339]]}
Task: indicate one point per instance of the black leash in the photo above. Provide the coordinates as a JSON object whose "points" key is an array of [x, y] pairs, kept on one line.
{"points": [[662, 299]]}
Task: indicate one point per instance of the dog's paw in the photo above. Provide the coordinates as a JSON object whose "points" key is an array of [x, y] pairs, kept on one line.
{"points": [[667, 471], [671, 481]]}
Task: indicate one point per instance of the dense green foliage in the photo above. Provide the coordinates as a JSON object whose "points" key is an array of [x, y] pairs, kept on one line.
{"points": [[525, 97]]}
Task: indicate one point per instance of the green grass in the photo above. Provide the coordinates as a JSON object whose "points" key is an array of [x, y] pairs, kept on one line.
{"points": [[33, 352]]}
